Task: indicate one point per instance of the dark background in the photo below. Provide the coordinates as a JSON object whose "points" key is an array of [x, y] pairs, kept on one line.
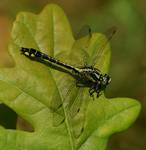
{"points": [[128, 62]]}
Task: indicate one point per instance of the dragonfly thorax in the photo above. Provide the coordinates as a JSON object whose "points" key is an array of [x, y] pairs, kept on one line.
{"points": [[90, 73]]}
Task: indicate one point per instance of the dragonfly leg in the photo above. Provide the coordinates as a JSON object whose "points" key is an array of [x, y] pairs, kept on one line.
{"points": [[91, 92], [98, 94]]}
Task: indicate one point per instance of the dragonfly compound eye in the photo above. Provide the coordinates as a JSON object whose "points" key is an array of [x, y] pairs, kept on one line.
{"points": [[106, 79]]}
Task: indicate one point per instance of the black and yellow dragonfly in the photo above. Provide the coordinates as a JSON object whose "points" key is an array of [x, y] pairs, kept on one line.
{"points": [[88, 76]]}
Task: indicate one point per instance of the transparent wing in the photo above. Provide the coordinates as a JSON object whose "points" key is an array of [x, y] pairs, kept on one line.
{"points": [[78, 112], [79, 48], [83, 47], [74, 104], [57, 109], [100, 51], [69, 95], [58, 117], [58, 103], [77, 105]]}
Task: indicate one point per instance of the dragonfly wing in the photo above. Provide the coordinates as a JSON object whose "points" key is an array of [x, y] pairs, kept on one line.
{"points": [[74, 103], [79, 49], [57, 110], [58, 117], [78, 112], [74, 106], [64, 83], [101, 46]]}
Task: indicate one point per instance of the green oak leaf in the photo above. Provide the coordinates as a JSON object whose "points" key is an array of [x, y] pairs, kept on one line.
{"points": [[35, 90]]}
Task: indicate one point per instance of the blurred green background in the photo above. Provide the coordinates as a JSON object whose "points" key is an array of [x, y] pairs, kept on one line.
{"points": [[128, 62]]}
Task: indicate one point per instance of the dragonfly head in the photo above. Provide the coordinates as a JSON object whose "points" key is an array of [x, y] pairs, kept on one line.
{"points": [[105, 80]]}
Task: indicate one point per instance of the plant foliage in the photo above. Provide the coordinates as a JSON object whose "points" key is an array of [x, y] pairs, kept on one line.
{"points": [[32, 89]]}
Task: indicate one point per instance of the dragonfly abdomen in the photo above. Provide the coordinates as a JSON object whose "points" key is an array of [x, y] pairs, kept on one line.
{"points": [[33, 53]]}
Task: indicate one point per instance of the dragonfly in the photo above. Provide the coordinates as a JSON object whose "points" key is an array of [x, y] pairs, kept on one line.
{"points": [[87, 76]]}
